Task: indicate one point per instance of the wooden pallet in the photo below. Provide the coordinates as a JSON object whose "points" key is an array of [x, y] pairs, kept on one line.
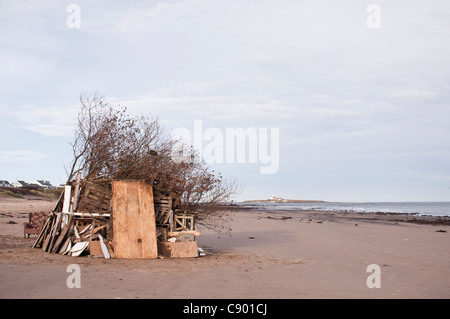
{"points": [[95, 197], [163, 210]]}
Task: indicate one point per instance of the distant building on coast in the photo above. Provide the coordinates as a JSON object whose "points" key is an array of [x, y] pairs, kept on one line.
{"points": [[274, 198], [5, 184], [19, 184], [42, 183]]}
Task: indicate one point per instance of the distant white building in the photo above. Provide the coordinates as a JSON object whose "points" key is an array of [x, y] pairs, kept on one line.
{"points": [[19, 184], [42, 183], [5, 184]]}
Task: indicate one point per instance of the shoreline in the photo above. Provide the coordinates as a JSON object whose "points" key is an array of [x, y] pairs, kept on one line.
{"points": [[395, 217]]}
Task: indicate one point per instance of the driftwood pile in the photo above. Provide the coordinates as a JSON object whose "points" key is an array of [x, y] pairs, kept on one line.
{"points": [[73, 235], [82, 223]]}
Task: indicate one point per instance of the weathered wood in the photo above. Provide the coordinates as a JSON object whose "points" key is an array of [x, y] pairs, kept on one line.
{"points": [[178, 249], [77, 193], [134, 223], [168, 216], [176, 233], [184, 221], [54, 231], [95, 248], [87, 203], [59, 202], [60, 239], [44, 230], [99, 188], [104, 248], [67, 247]]}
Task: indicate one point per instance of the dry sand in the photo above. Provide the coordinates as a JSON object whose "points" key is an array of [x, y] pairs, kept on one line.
{"points": [[266, 255]]}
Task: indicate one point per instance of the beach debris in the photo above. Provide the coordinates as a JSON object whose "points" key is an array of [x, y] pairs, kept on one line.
{"points": [[441, 231], [117, 219], [34, 224], [279, 217]]}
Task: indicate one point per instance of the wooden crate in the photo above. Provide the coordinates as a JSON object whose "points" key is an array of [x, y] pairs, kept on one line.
{"points": [[183, 222], [133, 220], [178, 249]]}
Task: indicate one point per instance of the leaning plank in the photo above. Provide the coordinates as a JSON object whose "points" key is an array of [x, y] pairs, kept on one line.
{"points": [[59, 202], [46, 242], [61, 238], [104, 248], [41, 235], [48, 234], [133, 220], [66, 205], [54, 231], [77, 193], [65, 247]]}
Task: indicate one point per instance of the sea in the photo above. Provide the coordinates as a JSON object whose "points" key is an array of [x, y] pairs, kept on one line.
{"points": [[416, 208]]}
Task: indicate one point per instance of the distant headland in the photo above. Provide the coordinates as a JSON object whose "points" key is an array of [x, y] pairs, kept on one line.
{"points": [[275, 199]]}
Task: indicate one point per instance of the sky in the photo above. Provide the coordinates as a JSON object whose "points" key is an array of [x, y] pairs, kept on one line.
{"points": [[348, 100]]}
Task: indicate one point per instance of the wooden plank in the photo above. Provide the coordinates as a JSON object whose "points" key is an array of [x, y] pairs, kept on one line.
{"points": [[104, 248], [77, 193], [169, 215], [54, 231], [60, 239], [44, 230], [133, 220], [59, 202], [66, 247], [66, 204]]}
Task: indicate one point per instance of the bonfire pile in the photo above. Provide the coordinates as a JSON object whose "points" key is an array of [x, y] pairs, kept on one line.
{"points": [[82, 223]]}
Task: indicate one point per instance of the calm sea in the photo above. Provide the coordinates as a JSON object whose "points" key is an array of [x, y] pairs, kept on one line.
{"points": [[419, 208]]}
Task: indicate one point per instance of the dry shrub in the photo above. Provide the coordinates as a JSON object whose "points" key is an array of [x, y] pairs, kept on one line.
{"points": [[110, 143]]}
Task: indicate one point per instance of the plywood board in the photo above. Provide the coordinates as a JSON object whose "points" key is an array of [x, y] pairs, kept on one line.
{"points": [[133, 220]]}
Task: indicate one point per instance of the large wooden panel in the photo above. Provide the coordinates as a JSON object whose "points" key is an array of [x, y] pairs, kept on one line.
{"points": [[133, 220]]}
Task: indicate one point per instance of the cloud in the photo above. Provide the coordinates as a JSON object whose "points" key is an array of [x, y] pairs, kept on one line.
{"points": [[415, 94], [21, 156], [20, 69], [48, 121]]}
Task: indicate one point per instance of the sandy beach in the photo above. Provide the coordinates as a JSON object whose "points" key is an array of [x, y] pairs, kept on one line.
{"points": [[276, 254]]}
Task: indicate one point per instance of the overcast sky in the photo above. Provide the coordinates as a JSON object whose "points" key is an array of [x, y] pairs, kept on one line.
{"points": [[359, 93]]}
